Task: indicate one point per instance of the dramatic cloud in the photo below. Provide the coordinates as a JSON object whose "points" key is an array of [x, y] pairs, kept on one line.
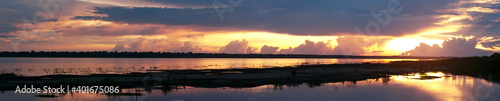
{"points": [[268, 49], [162, 45], [12, 10], [491, 45], [34, 11], [475, 18], [4, 28], [114, 30], [310, 47], [181, 25], [188, 47], [157, 3], [351, 45], [348, 45], [453, 47], [119, 47], [286, 51], [187, 3], [144, 44], [318, 17], [237, 47]]}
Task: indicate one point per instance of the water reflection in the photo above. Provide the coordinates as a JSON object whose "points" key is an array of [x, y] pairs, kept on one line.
{"points": [[448, 87], [85, 66], [421, 76], [442, 87]]}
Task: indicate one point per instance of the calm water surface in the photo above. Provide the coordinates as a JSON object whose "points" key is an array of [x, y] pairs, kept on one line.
{"points": [[85, 66], [396, 88]]}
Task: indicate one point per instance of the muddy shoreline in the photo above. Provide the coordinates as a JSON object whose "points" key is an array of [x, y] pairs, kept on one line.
{"points": [[212, 78], [312, 75]]}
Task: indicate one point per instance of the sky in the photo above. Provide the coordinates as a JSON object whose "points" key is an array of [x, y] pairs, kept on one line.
{"points": [[323, 27]]}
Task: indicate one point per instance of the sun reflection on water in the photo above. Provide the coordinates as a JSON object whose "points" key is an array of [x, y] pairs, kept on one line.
{"points": [[426, 76], [428, 86], [445, 87]]}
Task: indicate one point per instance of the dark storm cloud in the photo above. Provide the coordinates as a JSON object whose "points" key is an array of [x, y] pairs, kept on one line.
{"points": [[491, 45], [454, 47], [51, 20], [189, 3], [482, 23], [298, 17], [6, 36], [14, 12], [86, 18], [7, 28], [113, 31]]}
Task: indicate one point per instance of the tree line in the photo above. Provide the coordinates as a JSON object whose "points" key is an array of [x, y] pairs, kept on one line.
{"points": [[150, 54]]}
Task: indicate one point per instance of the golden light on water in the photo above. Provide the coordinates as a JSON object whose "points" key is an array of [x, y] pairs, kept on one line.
{"points": [[443, 86], [434, 86], [420, 76]]}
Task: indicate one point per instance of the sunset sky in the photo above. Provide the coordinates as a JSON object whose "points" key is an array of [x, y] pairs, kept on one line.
{"points": [[326, 27]]}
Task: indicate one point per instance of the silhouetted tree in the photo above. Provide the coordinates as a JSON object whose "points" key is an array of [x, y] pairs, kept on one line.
{"points": [[495, 55]]}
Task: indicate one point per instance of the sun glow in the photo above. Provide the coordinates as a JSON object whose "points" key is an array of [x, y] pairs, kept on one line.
{"points": [[399, 45]]}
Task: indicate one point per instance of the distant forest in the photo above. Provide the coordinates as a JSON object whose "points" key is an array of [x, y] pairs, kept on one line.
{"points": [[115, 54]]}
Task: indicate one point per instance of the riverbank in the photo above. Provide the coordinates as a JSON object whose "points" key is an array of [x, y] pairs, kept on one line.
{"points": [[313, 75], [105, 54]]}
